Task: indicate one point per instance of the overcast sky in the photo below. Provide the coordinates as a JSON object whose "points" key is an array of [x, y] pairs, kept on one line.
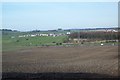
{"points": [[43, 16]]}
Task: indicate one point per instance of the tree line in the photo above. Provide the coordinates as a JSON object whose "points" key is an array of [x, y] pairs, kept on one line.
{"points": [[8, 30], [96, 35]]}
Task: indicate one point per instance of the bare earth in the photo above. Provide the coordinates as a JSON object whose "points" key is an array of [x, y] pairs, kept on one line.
{"points": [[82, 59]]}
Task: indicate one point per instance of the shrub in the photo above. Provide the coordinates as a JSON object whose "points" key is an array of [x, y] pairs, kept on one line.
{"points": [[53, 42], [17, 40], [27, 39], [60, 43], [57, 43]]}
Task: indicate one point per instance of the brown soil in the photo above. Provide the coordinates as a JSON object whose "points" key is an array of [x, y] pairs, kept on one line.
{"points": [[82, 59]]}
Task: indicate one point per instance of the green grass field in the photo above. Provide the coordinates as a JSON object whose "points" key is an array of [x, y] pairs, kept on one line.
{"points": [[9, 43]]}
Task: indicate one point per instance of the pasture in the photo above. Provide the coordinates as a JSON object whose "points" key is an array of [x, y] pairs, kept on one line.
{"points": [[16, 43], [26, 42]]}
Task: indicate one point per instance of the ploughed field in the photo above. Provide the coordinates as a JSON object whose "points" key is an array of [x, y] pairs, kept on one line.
{"points": [[79, 59]]}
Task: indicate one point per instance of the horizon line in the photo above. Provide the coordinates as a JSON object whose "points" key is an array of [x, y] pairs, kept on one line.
{"points": [[58, 28]]}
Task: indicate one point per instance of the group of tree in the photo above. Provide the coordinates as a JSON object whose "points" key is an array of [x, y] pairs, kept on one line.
{"points": [[96, 35], [8, 30]]}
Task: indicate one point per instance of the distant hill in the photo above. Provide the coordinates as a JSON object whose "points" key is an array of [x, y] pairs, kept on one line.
{"points": [[94, 29], [68, 30]]}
